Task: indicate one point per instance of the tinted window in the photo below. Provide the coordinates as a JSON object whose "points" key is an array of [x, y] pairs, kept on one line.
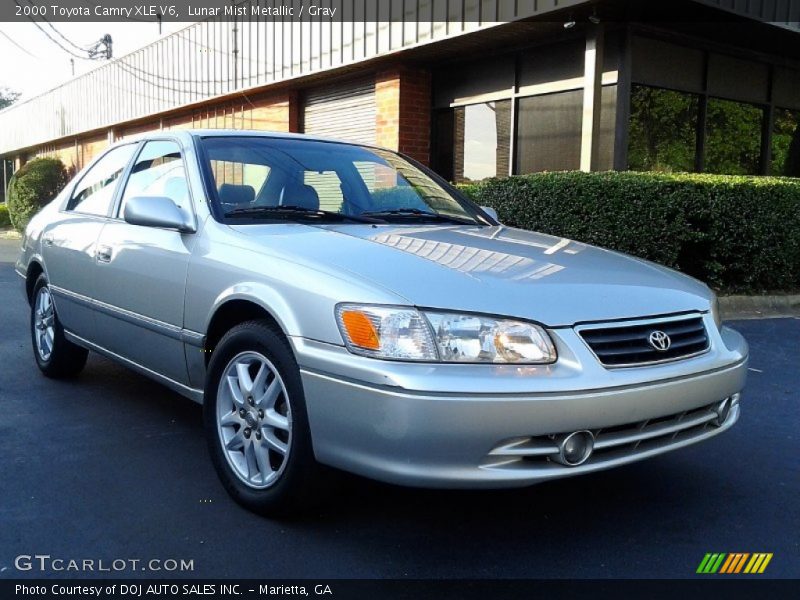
{"points": [[158, 172], [663, 130], [733, 137], [549, 132], [95, 191], [786, 143]]}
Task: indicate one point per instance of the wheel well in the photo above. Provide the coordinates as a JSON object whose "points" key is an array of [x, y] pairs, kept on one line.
{"points": [[34, 270], [229, 315]]}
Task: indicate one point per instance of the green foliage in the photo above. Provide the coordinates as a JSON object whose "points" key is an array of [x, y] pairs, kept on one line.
{"points": [[33, 186], [786, 143], [7, 97], [663, 130], [733, 137], [738, 234], [5, 221]]}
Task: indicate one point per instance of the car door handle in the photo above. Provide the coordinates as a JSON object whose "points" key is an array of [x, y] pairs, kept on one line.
{"points": [[47, 239], [103, 253]]}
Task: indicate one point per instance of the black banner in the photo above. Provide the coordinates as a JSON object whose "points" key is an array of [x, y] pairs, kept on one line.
{"points": [[373, 589]]}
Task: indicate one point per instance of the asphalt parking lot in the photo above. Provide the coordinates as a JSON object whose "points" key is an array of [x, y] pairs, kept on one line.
{"points": [[113, 466]]}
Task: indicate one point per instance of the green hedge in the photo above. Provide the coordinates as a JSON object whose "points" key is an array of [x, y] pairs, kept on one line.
{"points": [[738, 234], [5, 221], [33, 186]]}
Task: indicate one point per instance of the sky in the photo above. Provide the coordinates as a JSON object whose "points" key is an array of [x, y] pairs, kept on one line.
{"points": [[30, 63]]}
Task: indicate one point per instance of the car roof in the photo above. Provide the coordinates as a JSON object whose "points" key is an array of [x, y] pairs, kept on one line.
{"points": [[197, 133]]}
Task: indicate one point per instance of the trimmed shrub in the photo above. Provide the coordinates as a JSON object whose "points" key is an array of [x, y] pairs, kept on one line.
{"points": [[33, 186], [4, 219], [738, 234]]}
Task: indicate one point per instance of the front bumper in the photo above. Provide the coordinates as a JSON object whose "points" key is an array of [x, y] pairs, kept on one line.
{"points": [[491, 426]]}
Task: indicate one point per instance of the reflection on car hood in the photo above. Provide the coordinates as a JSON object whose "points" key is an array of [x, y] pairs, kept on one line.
{"points": [[497, 270]]}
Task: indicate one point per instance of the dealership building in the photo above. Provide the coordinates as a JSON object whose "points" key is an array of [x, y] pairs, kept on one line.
{"points": [[473, 88]]}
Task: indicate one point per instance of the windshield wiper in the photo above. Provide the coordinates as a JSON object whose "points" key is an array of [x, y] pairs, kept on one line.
{"points": [[293, 210], [415, 213]]}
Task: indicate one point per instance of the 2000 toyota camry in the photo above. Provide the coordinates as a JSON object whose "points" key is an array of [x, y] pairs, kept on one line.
{"points": [[338, 304]]}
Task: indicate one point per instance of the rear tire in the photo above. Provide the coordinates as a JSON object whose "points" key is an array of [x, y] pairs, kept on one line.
{"points": [[55, 355], [256, 422]]}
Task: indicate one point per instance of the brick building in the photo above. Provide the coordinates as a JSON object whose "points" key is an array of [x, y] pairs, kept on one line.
{"points": [[485, 88]]}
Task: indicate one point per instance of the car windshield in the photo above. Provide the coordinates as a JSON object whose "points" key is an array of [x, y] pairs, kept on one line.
{"points": [[262, 178]]}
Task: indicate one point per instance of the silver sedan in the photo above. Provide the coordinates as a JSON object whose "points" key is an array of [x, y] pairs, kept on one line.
{"points": [[337, 304]]}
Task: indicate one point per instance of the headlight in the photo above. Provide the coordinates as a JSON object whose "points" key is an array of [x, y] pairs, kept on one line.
{"points": [[716, 313], [407, 334]]}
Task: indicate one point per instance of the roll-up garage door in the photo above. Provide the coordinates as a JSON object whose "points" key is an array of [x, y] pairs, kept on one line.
{"points": [[344, 112]]}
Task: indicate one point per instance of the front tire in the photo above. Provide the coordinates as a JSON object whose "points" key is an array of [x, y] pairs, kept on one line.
{"points": [[55, 355], [256, 422]]}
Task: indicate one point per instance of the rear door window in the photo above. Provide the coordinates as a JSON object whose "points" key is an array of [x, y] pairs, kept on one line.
{"points": [[95, 191]]}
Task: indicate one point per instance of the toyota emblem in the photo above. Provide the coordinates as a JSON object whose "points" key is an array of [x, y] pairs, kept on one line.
{"points": [[660, 341]]}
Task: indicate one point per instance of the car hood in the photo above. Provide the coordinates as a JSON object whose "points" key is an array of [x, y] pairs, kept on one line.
{"points": [[498, 270]]}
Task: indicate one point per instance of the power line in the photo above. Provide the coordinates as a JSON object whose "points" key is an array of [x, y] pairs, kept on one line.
{"points": [[61, 35], [51, 38], [126, 67], [91, 5], [25, 50]]}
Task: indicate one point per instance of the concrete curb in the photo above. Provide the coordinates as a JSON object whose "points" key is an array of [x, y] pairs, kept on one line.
{"points": [[759, 307], [9, 234]]}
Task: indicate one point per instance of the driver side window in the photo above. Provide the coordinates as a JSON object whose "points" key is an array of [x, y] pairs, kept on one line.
{"points": [[158, 171]]}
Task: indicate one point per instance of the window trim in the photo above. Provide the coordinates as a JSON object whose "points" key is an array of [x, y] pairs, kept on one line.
{"points": [[87, 169]]}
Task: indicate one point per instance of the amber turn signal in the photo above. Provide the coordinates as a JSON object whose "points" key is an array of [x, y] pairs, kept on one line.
{"points": [[360, 330]]}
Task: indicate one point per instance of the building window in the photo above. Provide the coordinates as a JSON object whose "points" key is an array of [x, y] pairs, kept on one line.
{"points": [[481, 141], [663, 130], [733, 137], [785, 158], [549, 132]]}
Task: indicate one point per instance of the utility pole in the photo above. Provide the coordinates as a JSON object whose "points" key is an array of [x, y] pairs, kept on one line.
{"points": [[235, 51], [105, 52]]}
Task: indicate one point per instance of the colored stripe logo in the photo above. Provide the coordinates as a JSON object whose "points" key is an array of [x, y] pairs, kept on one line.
{"points": [[734, 562]]}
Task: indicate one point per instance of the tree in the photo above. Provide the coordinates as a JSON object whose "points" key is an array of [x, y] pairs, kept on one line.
{"points": [[33, 186], [7, 97]]}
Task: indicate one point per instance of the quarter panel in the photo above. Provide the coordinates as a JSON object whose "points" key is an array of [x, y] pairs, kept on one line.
{"points": [[68, 249]]}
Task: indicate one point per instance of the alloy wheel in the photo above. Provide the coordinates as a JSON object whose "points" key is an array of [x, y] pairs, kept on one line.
{"points": [[44, 323], [254, 419]]}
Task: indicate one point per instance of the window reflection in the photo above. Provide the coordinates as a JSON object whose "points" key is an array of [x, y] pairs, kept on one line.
{"points": [[733, 137], [482, 135], [786, 143], [663, 130]]}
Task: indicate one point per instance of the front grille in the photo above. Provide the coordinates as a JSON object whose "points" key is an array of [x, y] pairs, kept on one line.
{"points": [[628, 345], [630, 440]]}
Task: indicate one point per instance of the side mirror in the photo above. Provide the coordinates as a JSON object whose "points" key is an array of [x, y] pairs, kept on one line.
{"points": [[157, 211], [491, 212]]}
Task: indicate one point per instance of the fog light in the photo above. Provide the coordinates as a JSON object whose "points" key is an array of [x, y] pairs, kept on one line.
{"points": [[723, 409], [575, 449]]}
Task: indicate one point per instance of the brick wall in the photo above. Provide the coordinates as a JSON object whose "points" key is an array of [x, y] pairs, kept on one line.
{"points": [[270, 112], [403, 115]]}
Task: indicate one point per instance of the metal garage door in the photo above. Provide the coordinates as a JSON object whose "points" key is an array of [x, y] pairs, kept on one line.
{"points": [[345, 112]]}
